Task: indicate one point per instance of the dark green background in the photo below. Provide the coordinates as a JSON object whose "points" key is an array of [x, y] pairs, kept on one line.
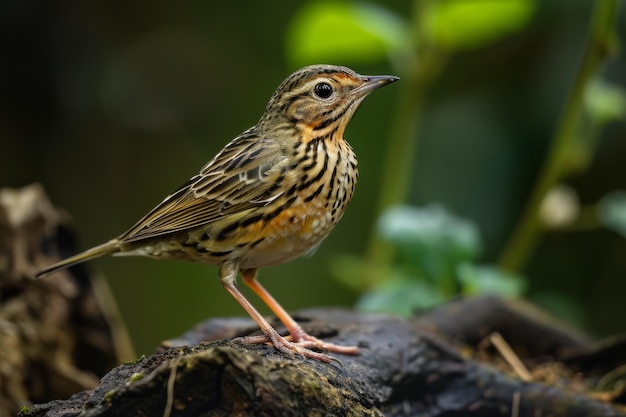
{"points": [[112, 105]]}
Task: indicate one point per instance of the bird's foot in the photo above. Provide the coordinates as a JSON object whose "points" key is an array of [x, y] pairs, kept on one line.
{"points": [[301, 343]]}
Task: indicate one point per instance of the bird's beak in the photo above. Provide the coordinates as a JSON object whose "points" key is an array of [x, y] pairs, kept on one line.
{"points": [[371, 83]]}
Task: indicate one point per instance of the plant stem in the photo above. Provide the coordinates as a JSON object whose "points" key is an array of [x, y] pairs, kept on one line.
{"points": [[528, 230], [396, 168], [418, 74]]}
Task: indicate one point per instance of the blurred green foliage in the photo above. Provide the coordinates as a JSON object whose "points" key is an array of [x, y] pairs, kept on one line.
{"points": [[605, 102], [431, 253], [461, 24], [339, 31], [113, 105], [430, 240], [612, 212], [435, 256]]}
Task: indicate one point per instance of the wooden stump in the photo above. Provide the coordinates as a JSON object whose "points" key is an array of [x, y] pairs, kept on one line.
{"points": [[56, 336]]}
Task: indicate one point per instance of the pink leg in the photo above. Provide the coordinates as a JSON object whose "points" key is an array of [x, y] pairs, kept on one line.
{"points": [[228, 274], [296, 335]]}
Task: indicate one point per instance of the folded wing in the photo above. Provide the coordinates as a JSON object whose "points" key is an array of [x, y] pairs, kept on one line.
{"points": [[249, 173]]}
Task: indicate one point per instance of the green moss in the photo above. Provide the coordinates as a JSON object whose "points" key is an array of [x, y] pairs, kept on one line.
{"points": [[137, 376], [108, 397], [24, 411]]}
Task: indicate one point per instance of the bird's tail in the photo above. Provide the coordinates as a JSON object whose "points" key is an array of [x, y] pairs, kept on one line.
{"points": [[108, 248]]}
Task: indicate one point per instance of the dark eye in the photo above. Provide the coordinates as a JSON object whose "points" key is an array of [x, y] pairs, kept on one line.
{"points": [[323, 90]]}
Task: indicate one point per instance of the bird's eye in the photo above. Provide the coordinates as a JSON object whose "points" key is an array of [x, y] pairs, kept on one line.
{"points": [[323, 90]]}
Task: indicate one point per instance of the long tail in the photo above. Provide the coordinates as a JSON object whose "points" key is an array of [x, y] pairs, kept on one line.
{"points": [[108, 248]]}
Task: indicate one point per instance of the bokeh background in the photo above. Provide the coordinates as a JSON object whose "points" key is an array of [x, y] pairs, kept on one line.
{"points": [[112, 105]]}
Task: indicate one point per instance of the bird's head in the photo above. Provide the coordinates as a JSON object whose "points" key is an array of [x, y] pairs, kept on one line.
{"points": [[320, 99]]}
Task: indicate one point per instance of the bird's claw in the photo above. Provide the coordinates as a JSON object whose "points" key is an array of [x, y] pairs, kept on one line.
{"points": [[302, 346]]}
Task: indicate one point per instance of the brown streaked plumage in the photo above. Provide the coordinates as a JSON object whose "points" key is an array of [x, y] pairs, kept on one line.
{"points": [[271, 195]]}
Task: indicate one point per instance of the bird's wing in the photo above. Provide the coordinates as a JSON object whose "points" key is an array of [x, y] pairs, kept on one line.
{"points": [[248, 173]]}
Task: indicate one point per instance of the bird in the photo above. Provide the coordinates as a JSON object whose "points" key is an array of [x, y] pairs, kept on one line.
{"points": [[269, 196]]}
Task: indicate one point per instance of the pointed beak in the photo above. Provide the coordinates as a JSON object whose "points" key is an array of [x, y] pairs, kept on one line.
{"points": [[373, 82]]}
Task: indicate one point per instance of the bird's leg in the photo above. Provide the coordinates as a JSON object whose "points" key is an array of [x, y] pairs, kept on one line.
{"points": [[296, 334], [228, 275]]}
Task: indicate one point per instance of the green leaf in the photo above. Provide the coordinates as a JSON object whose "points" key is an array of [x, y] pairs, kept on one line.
{"points": [[489, 280], [612, 212], [400, 295], [325, 31], [605, 102], [430, 239], [468, 24]]}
